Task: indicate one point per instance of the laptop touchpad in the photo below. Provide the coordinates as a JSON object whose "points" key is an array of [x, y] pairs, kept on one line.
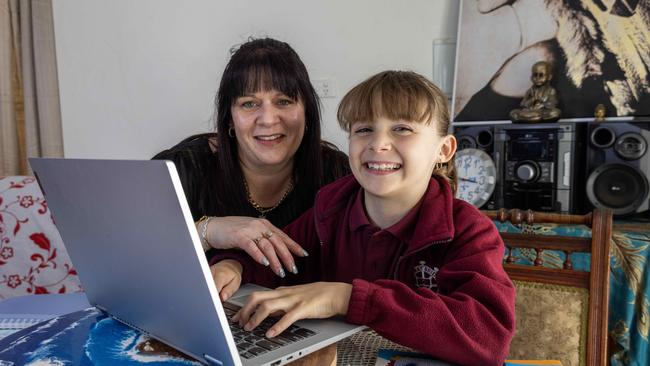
{"points": [[240, 297]]}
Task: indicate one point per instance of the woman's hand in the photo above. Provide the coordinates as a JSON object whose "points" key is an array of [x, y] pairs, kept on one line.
{"points": [[227, 276], [264, 242], [310, 301]]}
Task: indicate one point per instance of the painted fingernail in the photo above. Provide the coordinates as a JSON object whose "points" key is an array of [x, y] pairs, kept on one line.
{"points": [[265, 261], [270, 333], [281, 273], [304, 253], [294, 269]]}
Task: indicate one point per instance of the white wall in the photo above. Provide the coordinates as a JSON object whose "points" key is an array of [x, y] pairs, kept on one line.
{"points": [[137, 76]]}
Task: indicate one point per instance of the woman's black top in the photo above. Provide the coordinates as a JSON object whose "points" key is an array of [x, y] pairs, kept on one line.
{"points": [[199, 171]]}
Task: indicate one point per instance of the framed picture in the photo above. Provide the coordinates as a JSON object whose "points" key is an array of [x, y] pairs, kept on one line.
{"points": [[599, 51]]}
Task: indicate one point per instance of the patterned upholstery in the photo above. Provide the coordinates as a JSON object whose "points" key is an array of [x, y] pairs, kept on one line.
{"points": [[561, 312], [551, 323], [32, 257]]}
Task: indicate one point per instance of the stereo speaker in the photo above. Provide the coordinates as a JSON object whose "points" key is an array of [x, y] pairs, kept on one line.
{"points": [[476, 137], [618, 167]]}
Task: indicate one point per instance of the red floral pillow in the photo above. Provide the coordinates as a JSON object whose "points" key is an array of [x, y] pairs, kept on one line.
{"points": [[33, 259]]}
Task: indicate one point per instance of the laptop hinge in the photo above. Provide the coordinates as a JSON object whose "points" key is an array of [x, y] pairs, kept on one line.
{"points": [[211, 360]]}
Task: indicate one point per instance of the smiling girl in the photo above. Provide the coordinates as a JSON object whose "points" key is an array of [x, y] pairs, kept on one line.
{"points": [[392, 247]]}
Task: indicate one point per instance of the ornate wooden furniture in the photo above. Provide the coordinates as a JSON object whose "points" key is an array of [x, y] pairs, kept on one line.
{"points": [[561, 313]]}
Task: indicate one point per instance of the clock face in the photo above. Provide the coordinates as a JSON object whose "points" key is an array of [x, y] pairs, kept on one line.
{"points": [[476, 176]]}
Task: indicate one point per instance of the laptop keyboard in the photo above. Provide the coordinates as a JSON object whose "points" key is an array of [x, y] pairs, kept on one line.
{"points": [[254, 343]]}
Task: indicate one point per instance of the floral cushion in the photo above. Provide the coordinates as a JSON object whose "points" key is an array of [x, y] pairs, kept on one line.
{"points": [[33, 259], [551, 323]]}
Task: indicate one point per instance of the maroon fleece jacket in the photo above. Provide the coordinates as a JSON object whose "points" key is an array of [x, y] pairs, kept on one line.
{"points": [[433, 281]]}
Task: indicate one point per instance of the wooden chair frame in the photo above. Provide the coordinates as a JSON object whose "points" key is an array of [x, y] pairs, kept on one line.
{"points": [[596, 281]]}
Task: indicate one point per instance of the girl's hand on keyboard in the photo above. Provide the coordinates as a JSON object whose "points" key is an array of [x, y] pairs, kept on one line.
{"points": [[311, 301], [227, 277]]}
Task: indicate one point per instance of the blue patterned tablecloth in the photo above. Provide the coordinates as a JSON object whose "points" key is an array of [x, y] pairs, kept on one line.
{"points": [[629, 308], [86, 338]]}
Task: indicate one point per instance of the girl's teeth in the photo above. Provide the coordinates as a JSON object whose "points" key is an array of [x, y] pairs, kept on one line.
{"points": [[383, 166]]}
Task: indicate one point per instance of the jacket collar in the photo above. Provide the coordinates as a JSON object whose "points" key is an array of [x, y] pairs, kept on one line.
{"points": [[358, 216], [402, 230], [433, 221]]}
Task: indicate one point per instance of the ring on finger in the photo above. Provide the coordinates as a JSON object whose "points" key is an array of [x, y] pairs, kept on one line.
{"points": [[257, 240], [267, 234]]}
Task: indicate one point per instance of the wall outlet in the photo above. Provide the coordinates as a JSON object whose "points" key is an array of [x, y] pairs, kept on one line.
{"points": [[325, 88]]}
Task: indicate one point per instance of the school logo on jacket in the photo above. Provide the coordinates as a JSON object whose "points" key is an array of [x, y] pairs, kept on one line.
{"points": [[425, 276]]}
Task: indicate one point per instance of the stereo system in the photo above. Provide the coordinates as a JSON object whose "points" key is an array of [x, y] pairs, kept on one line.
{"points": [[538, 166], [541, 166], [568, 167]]}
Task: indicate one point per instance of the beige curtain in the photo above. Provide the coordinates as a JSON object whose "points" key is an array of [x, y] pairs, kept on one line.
{"points": [[30, 115]]}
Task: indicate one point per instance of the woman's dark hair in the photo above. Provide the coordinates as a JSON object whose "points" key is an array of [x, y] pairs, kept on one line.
{"points": [[262, 65]]}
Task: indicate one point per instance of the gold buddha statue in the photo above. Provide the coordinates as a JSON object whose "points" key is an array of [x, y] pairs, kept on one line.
{"points": [[540, 101]]}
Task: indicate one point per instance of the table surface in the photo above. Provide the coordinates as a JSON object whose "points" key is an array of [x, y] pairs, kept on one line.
{"points": [[72, 311]]}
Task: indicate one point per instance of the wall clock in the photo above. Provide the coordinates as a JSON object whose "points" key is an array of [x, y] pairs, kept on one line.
{"points": [[476, 176]]}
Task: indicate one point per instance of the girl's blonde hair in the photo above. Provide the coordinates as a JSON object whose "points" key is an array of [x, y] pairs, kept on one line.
{"points": [[400, 95]]}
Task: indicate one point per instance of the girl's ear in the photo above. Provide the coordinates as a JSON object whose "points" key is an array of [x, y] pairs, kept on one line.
{"points": [[447, 148]]}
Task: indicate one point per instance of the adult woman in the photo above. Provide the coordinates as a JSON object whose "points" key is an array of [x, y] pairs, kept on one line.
{"points": [[267, 161]]}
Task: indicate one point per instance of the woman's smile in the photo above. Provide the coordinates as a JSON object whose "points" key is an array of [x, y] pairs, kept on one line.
{"points": [[269, 140]]}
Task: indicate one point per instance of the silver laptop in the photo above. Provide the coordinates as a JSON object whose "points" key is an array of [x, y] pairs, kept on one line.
{"points": [[129, 232]]}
